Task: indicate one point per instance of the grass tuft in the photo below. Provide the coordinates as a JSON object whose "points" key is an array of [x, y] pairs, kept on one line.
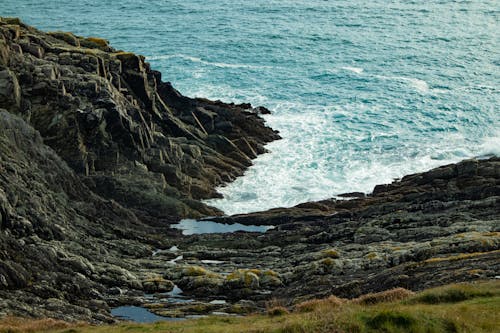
{"points": [[315, 304], [277, 311], [391, 295], [195, 271], [330, 253]]}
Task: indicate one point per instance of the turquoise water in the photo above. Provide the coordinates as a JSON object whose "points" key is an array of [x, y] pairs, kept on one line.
{"points": [[362, 91], [139, 315]]}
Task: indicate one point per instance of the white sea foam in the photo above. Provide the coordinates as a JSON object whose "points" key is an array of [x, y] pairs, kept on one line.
{"points": [[491, 146], [204, 62], [356, 70], [328, 150], [418, 84]]}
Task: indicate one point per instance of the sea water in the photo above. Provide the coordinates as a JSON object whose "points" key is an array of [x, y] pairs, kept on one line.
{"points": [[362, 92]]}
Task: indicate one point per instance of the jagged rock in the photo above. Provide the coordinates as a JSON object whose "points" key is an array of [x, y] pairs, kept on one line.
{"points": [[157, 285], [116, 112], [94, 161], [10, 92]]}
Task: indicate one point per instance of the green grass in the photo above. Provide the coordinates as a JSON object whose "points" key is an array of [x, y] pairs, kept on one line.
{"points": [[457, 308], [452, 294]]}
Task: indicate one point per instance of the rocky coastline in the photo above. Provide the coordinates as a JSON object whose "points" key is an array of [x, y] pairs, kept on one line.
{"points": [[99, 156]]}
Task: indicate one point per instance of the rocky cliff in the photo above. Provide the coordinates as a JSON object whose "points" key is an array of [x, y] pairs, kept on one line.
{"points": [[132, 137], [98, 156]]}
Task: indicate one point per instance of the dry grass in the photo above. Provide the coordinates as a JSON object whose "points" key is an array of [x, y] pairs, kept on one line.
{"points": [[195, 271], [98, 41], [330, 253], [277, 311], [14, 325], [459, 256], [315, 304], [391, 295], [476, 314], [456, 293]]}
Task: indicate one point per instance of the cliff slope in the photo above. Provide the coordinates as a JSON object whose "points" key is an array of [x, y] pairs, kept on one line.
{"points": [[132, 137], [97, 156]]}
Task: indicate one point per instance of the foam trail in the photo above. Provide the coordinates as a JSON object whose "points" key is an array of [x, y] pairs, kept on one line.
{"points": [[204, 62], [356, 70], [418, 84]]}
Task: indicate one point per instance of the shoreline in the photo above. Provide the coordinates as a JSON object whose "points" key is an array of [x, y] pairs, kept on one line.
{"points": [[99, 157]]}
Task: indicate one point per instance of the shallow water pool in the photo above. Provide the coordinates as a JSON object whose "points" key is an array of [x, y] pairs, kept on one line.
{"points": [[192, 227]]}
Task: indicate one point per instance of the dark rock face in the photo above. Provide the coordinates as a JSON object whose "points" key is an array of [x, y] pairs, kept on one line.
{"points": [[98, 156]]}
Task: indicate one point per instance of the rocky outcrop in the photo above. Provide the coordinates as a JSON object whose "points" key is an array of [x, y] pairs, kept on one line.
{"points": [[97, 156], [428, 229]]}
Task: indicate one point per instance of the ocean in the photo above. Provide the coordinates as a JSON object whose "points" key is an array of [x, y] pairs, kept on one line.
{"points": [[362, 92]]}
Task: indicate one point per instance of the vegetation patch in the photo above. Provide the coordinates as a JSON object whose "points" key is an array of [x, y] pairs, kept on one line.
{"points": [[11, 20], [391, 295], [195, 271], [277, 311], [453, 294], [314, 304], [67, 37], [460, 256], [15, 325], [330, 253], [100, 42], [388, 321], [478, 314]]}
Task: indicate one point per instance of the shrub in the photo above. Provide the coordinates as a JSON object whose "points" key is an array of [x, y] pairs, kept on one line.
{"points": [[277, 311]]}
